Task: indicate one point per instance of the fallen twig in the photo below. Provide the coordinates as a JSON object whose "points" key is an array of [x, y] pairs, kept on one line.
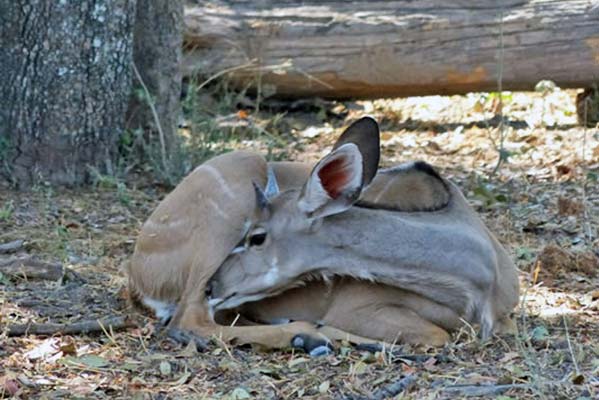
{"points": [[393, 389], [398, 356], [483, 390], [11, 247], [31, 268], [419, 358], [118, 322]]}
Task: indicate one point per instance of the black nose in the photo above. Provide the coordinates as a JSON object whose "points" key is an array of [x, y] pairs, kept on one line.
{"points": [[208, 290]]}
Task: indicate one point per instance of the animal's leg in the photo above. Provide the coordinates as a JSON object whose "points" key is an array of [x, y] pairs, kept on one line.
{"points": [[193, 318], [390, 324], [185, 337]]}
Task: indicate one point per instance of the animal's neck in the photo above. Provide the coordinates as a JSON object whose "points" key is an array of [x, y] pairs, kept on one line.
{"points": [[441, 258]]}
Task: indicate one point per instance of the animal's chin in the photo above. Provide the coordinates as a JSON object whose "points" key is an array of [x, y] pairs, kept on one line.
{"points": [[235, 301]]}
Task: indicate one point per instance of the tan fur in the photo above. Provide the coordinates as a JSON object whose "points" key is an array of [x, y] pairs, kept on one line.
{"points": [[167, 247], [187, 238], [406, 189]]}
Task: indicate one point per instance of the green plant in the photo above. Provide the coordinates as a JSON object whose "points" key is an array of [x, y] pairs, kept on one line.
{"points": [[102, 180], [112, 182], [7, 210], [4, 279], [214, 124], [123, 194], [60, 245]]}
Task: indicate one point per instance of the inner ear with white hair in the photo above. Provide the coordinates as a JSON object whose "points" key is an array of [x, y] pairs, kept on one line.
{"points": [[338, 179]]}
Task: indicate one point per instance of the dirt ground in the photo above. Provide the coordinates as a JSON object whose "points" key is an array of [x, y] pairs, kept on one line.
{"points": [[542, 202]]}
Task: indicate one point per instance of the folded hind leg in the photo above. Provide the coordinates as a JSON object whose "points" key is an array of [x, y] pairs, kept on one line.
{"points": [[390, 324]]}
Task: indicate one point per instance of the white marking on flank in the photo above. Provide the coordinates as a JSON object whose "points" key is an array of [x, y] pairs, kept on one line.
{"points": [[387, 186], [217, 208], [219, 178]]}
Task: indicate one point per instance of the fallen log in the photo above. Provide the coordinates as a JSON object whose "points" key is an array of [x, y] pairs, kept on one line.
{"points": [[392, 390], [31, 268], [99, 325], [369, 49], [11, 247]]}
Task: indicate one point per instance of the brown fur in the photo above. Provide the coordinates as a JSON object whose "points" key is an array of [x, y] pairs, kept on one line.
{"points": [[186, 239]]}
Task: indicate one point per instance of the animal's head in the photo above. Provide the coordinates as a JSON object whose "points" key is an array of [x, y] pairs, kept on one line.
{"points": [[281, 242]]}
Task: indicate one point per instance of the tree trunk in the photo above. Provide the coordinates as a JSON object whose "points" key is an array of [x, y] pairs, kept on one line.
{"points": [[65, 68], [394, 48], [155, 105]]}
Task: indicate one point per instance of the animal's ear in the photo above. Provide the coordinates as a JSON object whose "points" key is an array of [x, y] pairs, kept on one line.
{"points": [[334, 184], [364, 133]]}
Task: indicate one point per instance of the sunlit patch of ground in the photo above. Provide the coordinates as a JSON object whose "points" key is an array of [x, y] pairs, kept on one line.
{"points": [[542, 197]]}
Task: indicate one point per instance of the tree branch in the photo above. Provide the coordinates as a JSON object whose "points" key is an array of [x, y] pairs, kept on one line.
{"points": [[114, 323]]}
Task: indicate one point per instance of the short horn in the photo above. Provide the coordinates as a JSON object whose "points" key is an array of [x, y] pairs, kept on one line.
{"points": [[261, 199], [272, 187]]}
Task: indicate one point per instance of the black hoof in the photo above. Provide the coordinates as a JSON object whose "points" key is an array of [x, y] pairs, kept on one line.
{"points": [[369, 347], [314, 347], [185, 337]]}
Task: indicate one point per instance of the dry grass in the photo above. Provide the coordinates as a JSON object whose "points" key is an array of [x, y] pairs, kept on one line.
{"points": [[543, 203]]}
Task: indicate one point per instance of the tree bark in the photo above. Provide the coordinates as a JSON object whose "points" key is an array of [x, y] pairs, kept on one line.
{"points": [[394, 48], [154, 105], [65, 68]]}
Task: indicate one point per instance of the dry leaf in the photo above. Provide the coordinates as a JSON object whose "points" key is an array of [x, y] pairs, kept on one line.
{"points": [[46, 349], [407, 370], [9, 385], [568, 206], [323, 388], [239, 394], [165, 368], [430, 364], [88, 360], [297, 361], [509, 356], [69, 348]]}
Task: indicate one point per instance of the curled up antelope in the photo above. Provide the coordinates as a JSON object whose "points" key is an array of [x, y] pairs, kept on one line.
{"points": [[340, 250]]}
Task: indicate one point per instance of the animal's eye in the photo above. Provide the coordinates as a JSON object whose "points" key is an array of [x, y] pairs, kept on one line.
{"points": [[257, 237]]}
